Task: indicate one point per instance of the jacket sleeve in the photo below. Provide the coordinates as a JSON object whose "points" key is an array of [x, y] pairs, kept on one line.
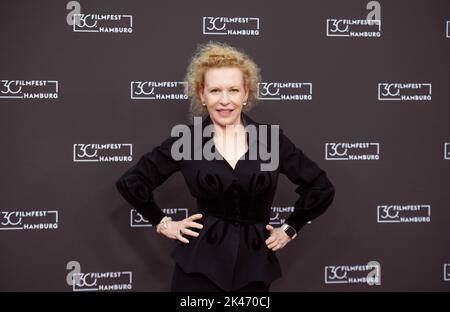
{"points": [[136, 185], [315, 189]]}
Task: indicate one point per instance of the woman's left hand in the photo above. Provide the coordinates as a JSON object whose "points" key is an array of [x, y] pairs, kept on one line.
{"points": [[278, 238]]}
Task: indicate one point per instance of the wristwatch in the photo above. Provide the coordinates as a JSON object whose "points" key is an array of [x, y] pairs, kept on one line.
{"points": [[289, 230]]}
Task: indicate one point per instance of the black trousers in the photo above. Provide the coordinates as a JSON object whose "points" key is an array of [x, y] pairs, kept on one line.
{"points": [[186, 282]]}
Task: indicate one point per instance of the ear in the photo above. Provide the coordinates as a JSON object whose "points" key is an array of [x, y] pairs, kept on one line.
{"points": [[200, 94]]}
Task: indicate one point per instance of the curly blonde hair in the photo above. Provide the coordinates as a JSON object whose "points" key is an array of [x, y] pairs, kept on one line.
{"points": [[218, 54]]}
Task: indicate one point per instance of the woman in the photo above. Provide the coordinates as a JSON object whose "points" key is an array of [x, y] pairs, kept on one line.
{"points": [[229, 245]]}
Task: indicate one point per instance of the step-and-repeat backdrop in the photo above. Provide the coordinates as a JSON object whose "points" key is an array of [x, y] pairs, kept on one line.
{"points": [[87, 87]]}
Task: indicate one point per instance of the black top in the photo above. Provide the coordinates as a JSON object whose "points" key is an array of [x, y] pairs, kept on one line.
{"points": [[235, 203]]}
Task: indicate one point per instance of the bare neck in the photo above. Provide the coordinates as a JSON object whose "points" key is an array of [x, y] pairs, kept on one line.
{"points": [[221, 131]]}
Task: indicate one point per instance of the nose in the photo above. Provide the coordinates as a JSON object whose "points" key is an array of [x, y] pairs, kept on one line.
{"points": [[224, 98]]}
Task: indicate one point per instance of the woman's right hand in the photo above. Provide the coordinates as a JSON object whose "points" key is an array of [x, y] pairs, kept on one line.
{"points": [[176, 229]]}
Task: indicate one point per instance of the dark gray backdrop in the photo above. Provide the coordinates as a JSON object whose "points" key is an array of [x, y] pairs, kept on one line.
{"points": [[94, 73]]}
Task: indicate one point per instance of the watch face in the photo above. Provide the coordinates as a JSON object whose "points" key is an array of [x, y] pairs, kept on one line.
{"points": [[290, 231]]}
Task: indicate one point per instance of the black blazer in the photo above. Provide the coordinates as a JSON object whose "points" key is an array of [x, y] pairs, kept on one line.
{"points": [[235, 204]]}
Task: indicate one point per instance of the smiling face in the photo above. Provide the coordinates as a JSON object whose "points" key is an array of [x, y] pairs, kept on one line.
{"points": [[224, 95]]}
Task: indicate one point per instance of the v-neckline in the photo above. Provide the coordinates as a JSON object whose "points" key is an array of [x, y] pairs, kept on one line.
{"points": [[226, 161], [216, 150], [245, 120]]}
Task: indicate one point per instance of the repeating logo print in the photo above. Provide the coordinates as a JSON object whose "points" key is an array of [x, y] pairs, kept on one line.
{"points": [[97, 281], [244, 26], [102, 152], [391, 91], [352, 151], [447, 272], [291, 91], [102, 23], [29, 220], [353, 28], [158, 90], [447, 151], [138, 220], [28, 89], [369, 273], [403, 213], [279, 214], [370, 27]]}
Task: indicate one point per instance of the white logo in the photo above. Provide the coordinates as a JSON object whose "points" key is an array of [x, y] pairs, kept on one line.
{"points": [[353, 28], [447, 272], [404, 91], [447, 30], [354, 274], [245, 26], [158, 90], [29, 220], [104, 23], [352, 151], [447, 151], [138, 220], [102, 152], [403, 213], [279, 214], [369, 27], [29, 89], [97, 281], [294, 91]]}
